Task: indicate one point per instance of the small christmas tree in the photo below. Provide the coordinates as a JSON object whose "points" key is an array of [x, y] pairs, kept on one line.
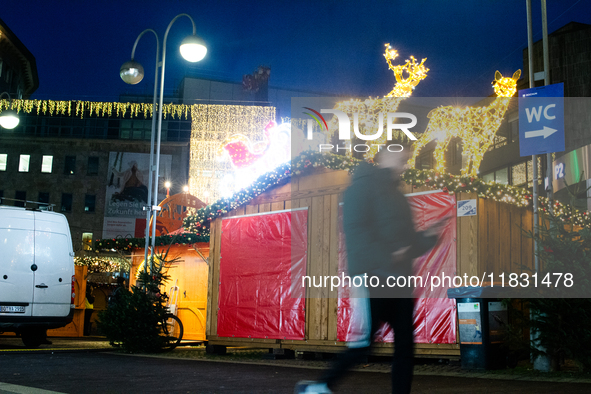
{"points": [[561, 325], [133, 320]]}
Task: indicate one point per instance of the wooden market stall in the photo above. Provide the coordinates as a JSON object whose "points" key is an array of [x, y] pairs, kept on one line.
{"points": [[187, 286], [243, 309]]}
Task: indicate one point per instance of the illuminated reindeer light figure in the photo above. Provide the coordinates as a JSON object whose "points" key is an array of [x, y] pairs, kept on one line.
{"points": [[365, 113], [476, 126]]}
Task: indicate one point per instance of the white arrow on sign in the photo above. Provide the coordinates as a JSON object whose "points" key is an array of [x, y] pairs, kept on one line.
{"points": [[545, 132]]}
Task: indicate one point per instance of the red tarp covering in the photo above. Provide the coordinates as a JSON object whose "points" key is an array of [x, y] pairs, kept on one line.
{"points": [[435, 317], [259, 254]]}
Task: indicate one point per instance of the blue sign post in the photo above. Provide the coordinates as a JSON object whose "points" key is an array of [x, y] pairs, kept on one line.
{"points": [[541, 120]]}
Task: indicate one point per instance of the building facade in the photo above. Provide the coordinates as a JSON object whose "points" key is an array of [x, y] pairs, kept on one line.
{"points": [[70, 165], [18, 69]]}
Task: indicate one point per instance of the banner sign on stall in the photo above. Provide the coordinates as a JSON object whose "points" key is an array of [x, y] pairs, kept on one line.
{"points": [[466, 208]]}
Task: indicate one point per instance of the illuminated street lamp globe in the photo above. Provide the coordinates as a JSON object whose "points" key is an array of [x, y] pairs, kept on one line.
{"points": [[131, 72], [193, 49], [8, 119]]}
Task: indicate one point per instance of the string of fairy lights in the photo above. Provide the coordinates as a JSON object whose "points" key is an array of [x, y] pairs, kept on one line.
{"points": [[211, 125], [93, 108], [103, 263]]}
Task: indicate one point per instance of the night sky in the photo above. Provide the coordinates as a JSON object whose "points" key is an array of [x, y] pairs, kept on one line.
{"points": [[318, 46]]}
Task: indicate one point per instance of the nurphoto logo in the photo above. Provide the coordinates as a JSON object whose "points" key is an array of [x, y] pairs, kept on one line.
{"points": [[344, 127]]}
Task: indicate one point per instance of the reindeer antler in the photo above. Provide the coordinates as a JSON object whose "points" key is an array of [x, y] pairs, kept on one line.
{"points": [[416, 73]]}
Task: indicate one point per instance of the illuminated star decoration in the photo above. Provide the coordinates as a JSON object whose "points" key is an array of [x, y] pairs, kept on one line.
{"points": [[408, 76], [475, 126]]}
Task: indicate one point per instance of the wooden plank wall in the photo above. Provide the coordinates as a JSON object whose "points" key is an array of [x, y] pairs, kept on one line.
{"points": [[503, 246]]}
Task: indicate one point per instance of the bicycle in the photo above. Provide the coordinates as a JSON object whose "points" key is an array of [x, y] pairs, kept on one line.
{"points": [[172, 328]]}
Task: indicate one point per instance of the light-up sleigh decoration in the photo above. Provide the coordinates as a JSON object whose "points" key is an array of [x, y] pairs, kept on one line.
{"points": [[253, 159], [475, 126]]}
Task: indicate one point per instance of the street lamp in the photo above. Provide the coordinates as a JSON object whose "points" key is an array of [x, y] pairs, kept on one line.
{"points": [[192, 49], [8, 118]]}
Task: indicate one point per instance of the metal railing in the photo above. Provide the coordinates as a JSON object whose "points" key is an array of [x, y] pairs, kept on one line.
{"points": [[42, 206]]}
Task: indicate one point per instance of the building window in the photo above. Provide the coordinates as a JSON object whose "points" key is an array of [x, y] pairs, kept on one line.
{"points": [[44, 197], [87, 241], [21, 197], [1, 196], [23, 163], [3, 161], [425, 161], [43, 200], [70, 165], [514, 127], [89, 203], [93, 165], [498, 176], [47, 164], [66, 202]]}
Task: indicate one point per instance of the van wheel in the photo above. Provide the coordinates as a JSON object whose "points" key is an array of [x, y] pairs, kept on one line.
{"points": [[32, 339]]}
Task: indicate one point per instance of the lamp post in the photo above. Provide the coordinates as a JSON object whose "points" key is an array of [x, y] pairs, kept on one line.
{"points": [[8, 118], [132, 72], [192, 49]]}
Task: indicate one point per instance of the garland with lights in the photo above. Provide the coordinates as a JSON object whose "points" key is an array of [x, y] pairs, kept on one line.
{"points": [[128, 244], [468, 184], [198, 224], [102, 264], [90, 108], [302, 164], [566, 213]]}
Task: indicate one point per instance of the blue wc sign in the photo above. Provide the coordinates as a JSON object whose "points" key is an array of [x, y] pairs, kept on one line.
{"points": [[541, 120]]}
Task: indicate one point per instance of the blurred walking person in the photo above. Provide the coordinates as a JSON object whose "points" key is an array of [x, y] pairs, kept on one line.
{"points": [[381, 241]]}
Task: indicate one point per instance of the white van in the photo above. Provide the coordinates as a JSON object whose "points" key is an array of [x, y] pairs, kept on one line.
{"points": [[36, 273]]}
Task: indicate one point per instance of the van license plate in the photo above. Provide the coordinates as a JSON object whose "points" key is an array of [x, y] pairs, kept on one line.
{"points": [[12, 309]]}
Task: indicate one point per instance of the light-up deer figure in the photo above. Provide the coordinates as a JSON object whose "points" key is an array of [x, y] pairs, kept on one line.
{"points": [[408, 76], [475, 126]]}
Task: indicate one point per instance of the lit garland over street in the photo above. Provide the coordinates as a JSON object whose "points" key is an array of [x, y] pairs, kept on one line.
{"points": [[92, 108]]}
